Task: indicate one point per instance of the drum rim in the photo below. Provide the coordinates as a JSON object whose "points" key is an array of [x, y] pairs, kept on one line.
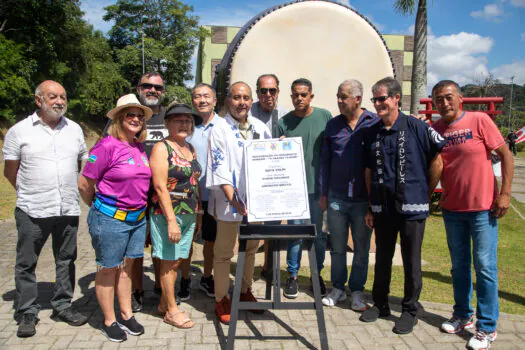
{"points": [[227, 60]]}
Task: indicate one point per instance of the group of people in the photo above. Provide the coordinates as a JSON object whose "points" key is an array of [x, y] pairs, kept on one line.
{"points": [[177, 171]]}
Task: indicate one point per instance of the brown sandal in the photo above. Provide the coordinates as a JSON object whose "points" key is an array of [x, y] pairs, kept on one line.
{"points": [[185, 323]]}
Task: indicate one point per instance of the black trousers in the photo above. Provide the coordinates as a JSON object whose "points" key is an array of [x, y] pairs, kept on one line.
{"points": [[32, 235], [411, 234]]}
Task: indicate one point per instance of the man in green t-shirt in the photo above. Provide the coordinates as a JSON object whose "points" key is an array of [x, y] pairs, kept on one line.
{"points": [[308, 123]]}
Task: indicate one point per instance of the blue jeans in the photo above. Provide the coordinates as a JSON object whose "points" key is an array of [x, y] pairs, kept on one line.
{"points": [[482, 228], [295, 247], [341, 215]]}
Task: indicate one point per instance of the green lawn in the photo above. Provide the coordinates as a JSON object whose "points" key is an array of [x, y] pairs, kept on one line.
{"points": [[7, 196], [437, 282]]}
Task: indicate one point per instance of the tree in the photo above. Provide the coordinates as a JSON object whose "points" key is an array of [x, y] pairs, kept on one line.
{"points": [[15, 72], [171, 34], [419, 63]]}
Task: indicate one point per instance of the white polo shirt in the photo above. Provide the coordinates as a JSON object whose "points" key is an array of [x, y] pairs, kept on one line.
{"points": [[46, 182]]}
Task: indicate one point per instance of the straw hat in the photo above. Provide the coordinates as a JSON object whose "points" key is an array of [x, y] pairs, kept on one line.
{"points": [[126, 101], [182, 108]]}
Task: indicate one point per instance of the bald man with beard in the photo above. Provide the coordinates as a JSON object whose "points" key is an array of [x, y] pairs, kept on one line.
{"points": [[43, 155]]}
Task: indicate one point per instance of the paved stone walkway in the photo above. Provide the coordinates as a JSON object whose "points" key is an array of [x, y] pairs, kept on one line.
{"points": [[283, 329]]}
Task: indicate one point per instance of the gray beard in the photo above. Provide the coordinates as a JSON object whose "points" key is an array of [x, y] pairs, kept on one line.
{"points": [[52, 113], [149, 102]]}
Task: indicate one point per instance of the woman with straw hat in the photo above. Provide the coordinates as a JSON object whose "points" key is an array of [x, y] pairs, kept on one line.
{"points": [[115, 183], [176, 213]]}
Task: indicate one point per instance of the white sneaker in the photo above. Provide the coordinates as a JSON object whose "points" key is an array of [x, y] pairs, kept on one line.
{"points": [[455, 325], [335, 296], [481, 340], [358, 301]]}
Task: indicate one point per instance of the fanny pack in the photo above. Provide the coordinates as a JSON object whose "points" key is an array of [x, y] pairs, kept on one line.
{"points": [[119, 214]]}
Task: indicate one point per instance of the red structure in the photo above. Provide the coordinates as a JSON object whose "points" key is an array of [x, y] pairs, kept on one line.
{"points": [[489, 101]]}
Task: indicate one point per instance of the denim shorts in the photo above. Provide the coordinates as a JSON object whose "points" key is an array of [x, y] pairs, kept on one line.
{"points": [[114, 240]]}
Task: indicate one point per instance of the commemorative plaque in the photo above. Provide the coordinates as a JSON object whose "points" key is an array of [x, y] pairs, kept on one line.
{"points": [[276, 186]]}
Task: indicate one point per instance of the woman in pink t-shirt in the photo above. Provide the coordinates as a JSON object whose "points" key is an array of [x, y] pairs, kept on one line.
{"points": [[115, 183]]}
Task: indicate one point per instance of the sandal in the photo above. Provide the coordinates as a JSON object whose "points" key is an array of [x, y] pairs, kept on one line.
{"points": [[185, 323]]}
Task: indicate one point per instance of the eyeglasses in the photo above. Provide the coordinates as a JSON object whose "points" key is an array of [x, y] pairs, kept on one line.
{"points": [[379, 99], [181, 121], [147, 86], [263, 91], [133, 115]]}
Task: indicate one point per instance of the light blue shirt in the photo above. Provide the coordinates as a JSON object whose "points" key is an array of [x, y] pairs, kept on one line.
{"points": [[199, 140]]}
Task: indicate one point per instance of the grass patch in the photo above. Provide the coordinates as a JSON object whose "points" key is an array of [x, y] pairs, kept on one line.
{"points": [[437, 280], [7, 196]]}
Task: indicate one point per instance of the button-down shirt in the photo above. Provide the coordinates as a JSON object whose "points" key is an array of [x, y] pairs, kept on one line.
{"points": [[422, 144], [342, 171], [199, 140], [266, 117], [46, 182], [225, 163]]}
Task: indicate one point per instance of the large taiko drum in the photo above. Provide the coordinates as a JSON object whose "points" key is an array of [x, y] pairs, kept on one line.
{"points": [[319, 40]]}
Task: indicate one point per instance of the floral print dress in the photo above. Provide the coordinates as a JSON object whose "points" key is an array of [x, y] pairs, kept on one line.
{"points": [[183, 183]]}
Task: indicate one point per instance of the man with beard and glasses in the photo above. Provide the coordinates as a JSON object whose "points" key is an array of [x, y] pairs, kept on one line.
{"points": [[224, 179], [150, 90], [43, 155], [204, 101]]}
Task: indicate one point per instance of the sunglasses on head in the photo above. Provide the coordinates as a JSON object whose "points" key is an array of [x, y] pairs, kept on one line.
{"points": [[133, 115], [380, 99], [263, 91], [148, 86]]}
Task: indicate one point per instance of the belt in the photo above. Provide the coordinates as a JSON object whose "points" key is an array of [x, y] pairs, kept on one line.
{"points": [[122, 215]]}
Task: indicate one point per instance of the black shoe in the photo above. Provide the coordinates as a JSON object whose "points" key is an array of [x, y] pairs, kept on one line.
{"points": [[26, 326], [372, 314], [70, 316], [113, 332], [291, 291], [131, 326], [405, 324], [207, 284], [184, 292], [137, 300]]}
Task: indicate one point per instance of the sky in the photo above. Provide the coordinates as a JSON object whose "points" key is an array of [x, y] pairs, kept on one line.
{"points": [[468, 39]]}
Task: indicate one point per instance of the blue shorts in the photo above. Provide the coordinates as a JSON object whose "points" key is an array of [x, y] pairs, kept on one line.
{"points": [[114, 240]]}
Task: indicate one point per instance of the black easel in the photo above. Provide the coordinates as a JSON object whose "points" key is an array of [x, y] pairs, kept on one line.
{"points": [[274, 234]]}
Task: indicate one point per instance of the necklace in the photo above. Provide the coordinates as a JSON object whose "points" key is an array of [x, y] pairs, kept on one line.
{"points": [[180, 153]]}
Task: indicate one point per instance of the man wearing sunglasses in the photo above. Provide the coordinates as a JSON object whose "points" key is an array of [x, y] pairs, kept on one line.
{"points": [[266, 109], [269, 112], [403, 166]]}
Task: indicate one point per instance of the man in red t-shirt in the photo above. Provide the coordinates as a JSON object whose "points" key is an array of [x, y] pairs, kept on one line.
{"points": [[471, 205]]}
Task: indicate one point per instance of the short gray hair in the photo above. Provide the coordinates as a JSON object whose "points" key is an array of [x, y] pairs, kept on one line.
{"points": [[355, 87], [392, 86], [237, 83]]}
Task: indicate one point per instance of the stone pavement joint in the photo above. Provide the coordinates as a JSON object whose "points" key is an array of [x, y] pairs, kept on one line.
{"points": [[276, 329]]}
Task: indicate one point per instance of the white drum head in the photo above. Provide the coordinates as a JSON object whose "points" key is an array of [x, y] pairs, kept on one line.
{"points": [[322, 41]]}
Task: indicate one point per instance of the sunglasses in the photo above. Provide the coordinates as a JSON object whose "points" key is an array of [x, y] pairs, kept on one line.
{"points": [[263, 91], [133, 115], [147, 86], [379, 99]]}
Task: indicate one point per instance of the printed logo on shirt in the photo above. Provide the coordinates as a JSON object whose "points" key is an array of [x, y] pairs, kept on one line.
{"points": [[457, 137], [145, 160], [131, 161], [92, 158]]}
